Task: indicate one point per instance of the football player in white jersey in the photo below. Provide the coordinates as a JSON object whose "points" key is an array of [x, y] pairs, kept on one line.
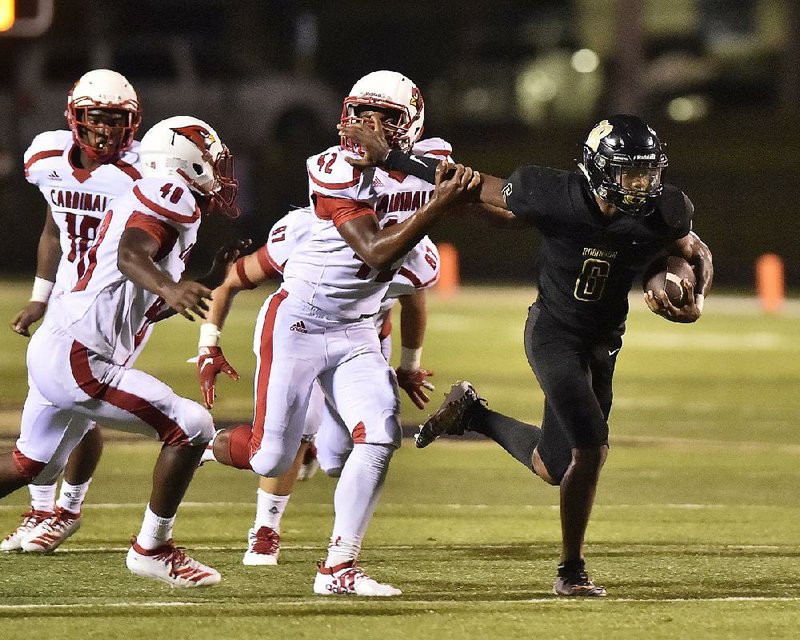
{"points": [[79, 361], [420, 270], [321, 323], [78, 172]]}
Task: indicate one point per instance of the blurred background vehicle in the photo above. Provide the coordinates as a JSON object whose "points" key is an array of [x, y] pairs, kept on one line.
{"points": [[508, 82]]}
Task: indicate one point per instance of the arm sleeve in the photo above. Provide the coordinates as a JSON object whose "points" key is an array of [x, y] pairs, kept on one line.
{"points": [[422, 167]]}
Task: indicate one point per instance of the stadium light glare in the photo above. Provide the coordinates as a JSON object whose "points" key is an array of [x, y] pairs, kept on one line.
{"points": [[7, 14], [25, 18]]}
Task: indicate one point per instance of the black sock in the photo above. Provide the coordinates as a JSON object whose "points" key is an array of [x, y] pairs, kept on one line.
{"points": [[518, 438], [571, 568]]}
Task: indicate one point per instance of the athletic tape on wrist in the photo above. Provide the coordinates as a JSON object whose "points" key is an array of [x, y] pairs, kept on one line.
{"points": [[41, 290], [410, 359], [209, 335]]}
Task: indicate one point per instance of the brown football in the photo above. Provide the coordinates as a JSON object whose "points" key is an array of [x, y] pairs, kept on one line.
{"points": [[667, 273]]}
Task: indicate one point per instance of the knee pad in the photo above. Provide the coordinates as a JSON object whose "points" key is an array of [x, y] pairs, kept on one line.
{"points": [[196, 422], [271, 464]]}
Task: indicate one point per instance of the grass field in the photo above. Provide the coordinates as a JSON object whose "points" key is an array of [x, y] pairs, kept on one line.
{"points": [[696, 531]]}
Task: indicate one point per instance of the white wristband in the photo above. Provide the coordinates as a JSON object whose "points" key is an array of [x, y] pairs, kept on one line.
{"points": [[209, 335], [41, 290], [410, 359]]}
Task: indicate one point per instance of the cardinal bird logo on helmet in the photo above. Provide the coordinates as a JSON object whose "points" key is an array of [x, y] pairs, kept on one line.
{"points": [[201, 137]]}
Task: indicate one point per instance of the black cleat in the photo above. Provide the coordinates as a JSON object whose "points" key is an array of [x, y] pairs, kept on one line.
{"points": [[448, 418]]}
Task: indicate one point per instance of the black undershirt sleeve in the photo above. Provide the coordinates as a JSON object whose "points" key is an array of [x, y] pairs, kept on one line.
{"points": [[421, 167]]}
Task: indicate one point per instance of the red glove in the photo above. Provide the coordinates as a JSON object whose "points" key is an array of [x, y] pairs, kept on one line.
{"points": [[413, 383], [210, 363]]}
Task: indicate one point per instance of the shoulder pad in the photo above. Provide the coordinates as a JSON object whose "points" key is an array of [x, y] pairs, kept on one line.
{"points": [[48, 141], [166, 198], [433, 147], [288, 233], [50, 144], [676, 208], [131, 156], [330, 174], [421, 266]]}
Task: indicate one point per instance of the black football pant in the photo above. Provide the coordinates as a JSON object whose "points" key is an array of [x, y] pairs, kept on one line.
{"points": [[575, 372]]}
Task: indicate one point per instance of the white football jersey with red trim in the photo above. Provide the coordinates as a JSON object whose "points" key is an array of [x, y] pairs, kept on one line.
{"points": [[78, 198], [107, 312], [287, 234], [325, 271], [419, 270]]}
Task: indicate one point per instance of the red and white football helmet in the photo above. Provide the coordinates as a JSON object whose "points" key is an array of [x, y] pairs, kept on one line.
{"points": [[190, 148], [107, 90], [387, 90]]}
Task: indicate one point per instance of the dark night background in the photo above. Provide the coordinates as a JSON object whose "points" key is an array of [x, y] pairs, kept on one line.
{"points": [[717, 79]]}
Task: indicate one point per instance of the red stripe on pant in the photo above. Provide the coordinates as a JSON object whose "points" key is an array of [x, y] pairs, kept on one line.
{"points": [[264, 369], [169, 432]]}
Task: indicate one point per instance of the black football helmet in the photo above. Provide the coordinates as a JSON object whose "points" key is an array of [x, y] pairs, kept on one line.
{"points": [[624, 161]]}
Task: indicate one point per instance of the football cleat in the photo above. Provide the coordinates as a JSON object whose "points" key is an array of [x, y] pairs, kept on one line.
{"points": [[310, 464], [170, 564], [448, 419], [30, 519], [263, 547], [48, 535], [578, 585], [348, 578]]}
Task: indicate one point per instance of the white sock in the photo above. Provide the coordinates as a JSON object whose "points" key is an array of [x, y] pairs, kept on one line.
{"points": [[342, 549], [72, 495], [269, 510], [355, 499], [155, 530], [208, 452], [43, 497]]}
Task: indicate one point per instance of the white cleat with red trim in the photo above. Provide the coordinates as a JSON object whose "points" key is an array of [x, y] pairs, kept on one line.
{"points": [[170, 564], [349, 579], [263, 547], [30, 519], [48, 535]]}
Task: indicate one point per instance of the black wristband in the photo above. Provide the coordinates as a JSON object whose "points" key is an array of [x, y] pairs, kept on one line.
{"points": [[421, 167], [392, 158]]}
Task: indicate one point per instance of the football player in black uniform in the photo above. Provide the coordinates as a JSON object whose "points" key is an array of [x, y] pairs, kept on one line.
{"points": [[600, 225]]}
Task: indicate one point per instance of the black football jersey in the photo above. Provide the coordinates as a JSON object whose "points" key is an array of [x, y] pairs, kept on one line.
{"points": [[588, 262]]}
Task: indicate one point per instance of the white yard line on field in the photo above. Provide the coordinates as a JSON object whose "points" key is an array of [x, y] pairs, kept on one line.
{"points": [[317, 601], [398, 547], [400, 505]]}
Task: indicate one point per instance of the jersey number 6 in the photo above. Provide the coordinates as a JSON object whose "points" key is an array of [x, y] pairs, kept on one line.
{"points": [[592, 280]]}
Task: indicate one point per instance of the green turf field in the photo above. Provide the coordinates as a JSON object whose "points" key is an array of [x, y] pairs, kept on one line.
{"points": [[696, 531]]}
